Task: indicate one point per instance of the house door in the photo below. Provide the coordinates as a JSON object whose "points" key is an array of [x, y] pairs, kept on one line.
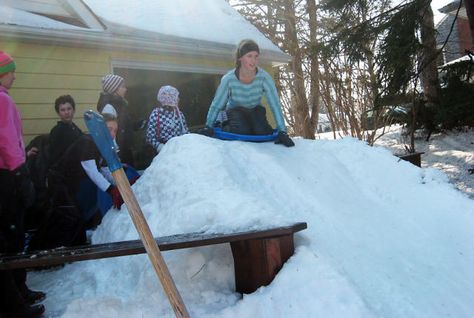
{"points": [[196, 91]]}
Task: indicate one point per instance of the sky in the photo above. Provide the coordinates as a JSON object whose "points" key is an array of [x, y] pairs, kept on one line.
{"points": [[438, 4], [384, 238]]}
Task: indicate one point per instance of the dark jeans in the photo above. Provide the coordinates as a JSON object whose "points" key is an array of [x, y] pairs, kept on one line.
{"points": [[247, 121]]}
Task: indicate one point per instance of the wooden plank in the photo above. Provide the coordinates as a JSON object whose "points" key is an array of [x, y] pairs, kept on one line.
{"points": [[89, 252], [257, 261]]}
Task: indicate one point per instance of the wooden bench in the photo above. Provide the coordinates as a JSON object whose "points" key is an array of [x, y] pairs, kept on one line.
{"points": [[258, 255]]}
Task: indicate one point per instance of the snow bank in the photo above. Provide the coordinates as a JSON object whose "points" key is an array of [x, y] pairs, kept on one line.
{"points": [[384, 238]]}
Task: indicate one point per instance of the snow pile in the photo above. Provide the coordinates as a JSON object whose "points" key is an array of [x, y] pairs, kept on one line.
{"points": [[384, 238]]}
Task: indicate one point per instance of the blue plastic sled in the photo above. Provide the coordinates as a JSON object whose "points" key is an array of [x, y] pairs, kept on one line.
{"points": [[218, 133], [104, 200]]}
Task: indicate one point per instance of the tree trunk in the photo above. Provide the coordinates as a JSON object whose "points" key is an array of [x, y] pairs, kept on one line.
{"points": [[429, 71], [314, 65], [469, 4], [302, 119]]}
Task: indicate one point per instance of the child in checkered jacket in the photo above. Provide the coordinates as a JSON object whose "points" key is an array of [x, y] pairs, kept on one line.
{"points": [[166, 120]]}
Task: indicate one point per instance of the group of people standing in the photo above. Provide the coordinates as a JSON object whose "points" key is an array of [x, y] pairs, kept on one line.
{"points": [[74, 160]]}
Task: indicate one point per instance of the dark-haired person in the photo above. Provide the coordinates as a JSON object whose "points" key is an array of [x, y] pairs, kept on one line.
{"points": [[65, 132], [16, 299], [240, 93], [73, 183]]}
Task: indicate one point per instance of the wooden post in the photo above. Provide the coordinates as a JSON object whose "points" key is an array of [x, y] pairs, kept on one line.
{"points": [[149, 243], [257, 261]]}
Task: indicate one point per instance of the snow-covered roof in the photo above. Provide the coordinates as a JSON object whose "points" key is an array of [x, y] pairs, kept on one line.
{"points": [[12, 16], [208, 20], [204, 25]]}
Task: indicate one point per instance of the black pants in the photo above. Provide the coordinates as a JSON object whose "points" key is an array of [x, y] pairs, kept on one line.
{"points": [[247, 121], [63, 224], [12, 236]]}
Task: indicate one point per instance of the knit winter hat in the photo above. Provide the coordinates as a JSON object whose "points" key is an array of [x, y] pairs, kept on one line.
{"points": [[6, 63], [111, 82], [246, 46], [168, 96]]}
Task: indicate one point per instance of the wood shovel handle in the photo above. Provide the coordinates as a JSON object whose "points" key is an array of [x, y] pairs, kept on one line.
{"points": [[150, 244]]}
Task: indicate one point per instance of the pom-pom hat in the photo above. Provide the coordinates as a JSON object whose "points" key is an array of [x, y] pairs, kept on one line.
{"points": [[7, 64]]}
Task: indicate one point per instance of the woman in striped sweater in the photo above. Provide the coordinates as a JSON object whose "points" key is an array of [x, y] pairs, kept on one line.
{"points": [[240, 93]]}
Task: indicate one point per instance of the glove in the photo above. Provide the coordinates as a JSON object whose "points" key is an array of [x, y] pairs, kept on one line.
{"points": [[284, 139], [133, 180], [206, 131], [117, 200]]}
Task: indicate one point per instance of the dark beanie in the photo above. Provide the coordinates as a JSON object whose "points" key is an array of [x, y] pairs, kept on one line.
{"points": [[246, 46]]}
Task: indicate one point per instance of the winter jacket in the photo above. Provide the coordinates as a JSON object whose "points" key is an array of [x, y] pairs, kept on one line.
{"points": [[165, 123], [232, 93], [61, 137], [69, 168], [12, 147]]}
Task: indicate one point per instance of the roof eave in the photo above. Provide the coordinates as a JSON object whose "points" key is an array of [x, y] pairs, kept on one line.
{"points": [[153, 43]]}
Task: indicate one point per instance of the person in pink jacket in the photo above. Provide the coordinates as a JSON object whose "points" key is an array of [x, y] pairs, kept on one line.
{"points": [[16, 298]]}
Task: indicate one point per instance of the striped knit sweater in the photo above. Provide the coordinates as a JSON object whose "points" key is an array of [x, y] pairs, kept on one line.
{"points": [[232, 93]]}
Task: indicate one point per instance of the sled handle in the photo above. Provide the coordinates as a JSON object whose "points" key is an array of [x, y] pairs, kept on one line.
{"points": [[101, 136]]}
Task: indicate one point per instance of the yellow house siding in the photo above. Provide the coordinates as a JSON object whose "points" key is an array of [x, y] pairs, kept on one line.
{"points": [[45, 72]]}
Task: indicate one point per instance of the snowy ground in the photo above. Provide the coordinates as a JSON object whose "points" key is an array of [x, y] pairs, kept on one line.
{"points": [[384, 238], [451, 152]]}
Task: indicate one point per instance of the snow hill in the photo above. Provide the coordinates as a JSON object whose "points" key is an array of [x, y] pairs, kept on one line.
{"points": [[384, 238]]}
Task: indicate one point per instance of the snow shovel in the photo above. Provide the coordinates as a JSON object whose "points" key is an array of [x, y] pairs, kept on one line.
{"points": [[101, 136]]}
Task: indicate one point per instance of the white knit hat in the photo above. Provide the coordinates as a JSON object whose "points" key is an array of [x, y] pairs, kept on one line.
{"points": [[109, 109]]}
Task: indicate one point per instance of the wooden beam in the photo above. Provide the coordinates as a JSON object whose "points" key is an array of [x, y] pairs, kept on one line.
{"points": [[89, 252]]}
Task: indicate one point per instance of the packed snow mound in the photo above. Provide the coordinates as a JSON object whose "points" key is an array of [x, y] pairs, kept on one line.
{"points": [[384, 238]]}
